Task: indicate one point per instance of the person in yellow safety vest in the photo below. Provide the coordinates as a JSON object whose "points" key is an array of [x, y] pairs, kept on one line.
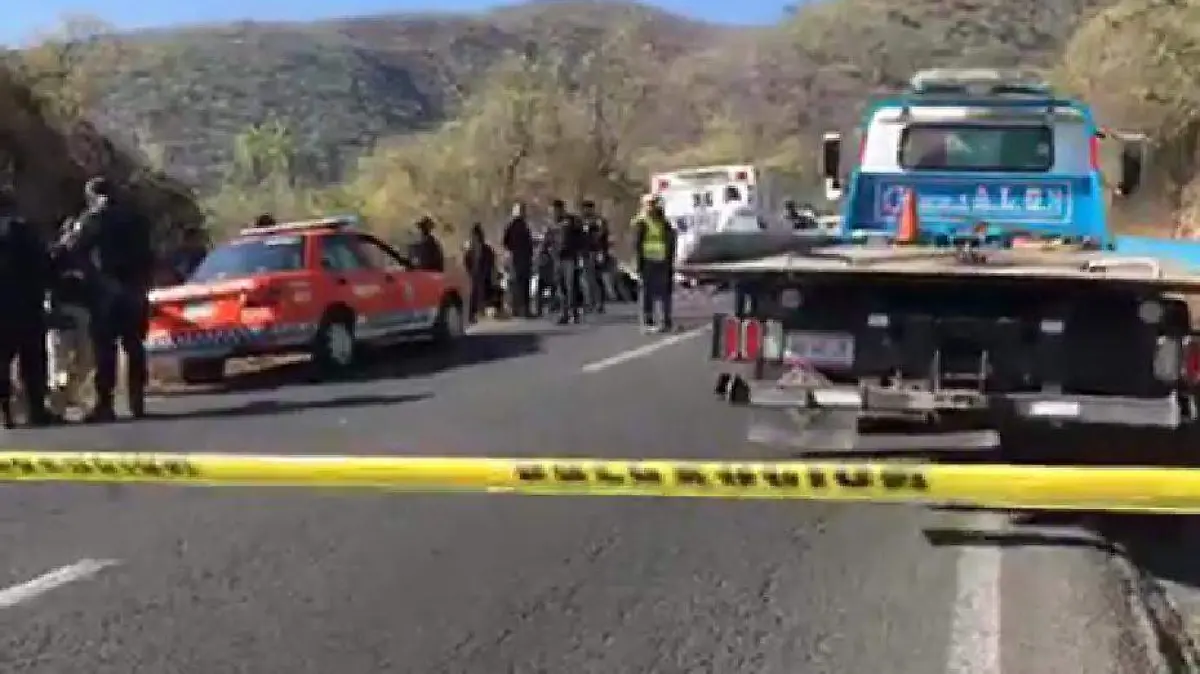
{"points": [[655, 263]]}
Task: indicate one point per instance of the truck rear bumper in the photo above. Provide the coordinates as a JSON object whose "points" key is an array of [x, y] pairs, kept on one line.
{"points": [[1166, 412]]}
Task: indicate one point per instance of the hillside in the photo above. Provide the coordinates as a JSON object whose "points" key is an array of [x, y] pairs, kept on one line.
{"points": [[47, 160], [340, 86]]}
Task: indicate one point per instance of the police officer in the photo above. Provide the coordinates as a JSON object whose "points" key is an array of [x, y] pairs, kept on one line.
{"points": [[24, 281], [118, 242], [655, 263], [518, 241], [596, 257], [571, 240], [547, 272], [427, 252]]}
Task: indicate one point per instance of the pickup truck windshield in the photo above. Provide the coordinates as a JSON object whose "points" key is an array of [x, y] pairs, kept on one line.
{"points": [[250, 257], [961, 147]]}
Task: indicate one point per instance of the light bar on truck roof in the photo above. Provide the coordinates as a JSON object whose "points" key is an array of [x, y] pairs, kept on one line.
{"points": [[334, 222], [978, 82]]}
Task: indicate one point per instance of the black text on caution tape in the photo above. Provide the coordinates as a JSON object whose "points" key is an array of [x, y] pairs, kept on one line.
{"points": [[896, 479], [99, 468]]}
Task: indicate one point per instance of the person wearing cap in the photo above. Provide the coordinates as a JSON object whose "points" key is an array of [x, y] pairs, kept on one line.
{"points": [[571, 241], [24, 282], [118, 241], [518, 241], [427, 252], [264, 221], [655, 250]]}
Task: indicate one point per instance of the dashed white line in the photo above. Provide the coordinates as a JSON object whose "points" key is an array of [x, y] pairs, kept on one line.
{"points": [[643, 350], [52, 580], [975, 630]]}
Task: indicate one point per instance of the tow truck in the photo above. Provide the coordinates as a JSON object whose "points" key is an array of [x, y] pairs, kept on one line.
{"points": [[973, 289]]}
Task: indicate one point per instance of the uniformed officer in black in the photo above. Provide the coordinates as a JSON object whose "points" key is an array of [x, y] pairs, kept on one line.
{"points": [[596, 256], [571, 240], [24, 282], [117, 241]]}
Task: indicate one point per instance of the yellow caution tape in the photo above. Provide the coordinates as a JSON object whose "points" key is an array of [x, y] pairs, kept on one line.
{"points": [[1162, 490]]}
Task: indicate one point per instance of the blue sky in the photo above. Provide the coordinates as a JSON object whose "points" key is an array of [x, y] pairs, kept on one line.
{"points": [[23, 19]]}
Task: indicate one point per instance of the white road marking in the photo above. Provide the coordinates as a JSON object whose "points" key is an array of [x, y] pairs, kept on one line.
{"points": [[644, 350], [52, 580], [975, 630]]}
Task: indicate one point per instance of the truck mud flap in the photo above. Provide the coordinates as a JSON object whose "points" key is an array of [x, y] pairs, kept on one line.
{"points": [[824, 433]]}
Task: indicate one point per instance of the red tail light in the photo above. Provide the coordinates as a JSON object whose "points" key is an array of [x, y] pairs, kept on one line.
{"points": [[1191, 360], [741, 176], [749, 339], [1094, 152], [266, 296], [731, 338], [862, 147], [752, 333]]}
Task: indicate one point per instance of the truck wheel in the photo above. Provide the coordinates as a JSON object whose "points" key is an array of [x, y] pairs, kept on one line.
{"points": [[202, 370], [450, 325], [334, 350]]}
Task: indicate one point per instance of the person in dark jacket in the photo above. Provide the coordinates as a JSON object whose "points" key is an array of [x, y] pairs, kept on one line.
{"points": [[518, 241], [118, 242], [595, 255], [24, 281], [655, 263], [571, 241], [264, 221], [427, 252], [547, 274], [480, 263]]}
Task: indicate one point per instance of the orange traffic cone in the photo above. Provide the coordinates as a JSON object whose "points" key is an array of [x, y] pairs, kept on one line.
{"points": [[909, 229]]}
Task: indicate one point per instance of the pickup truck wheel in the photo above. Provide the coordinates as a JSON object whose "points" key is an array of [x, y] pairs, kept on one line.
{"points": [[450, 325], [334, 350], [202, 370]]}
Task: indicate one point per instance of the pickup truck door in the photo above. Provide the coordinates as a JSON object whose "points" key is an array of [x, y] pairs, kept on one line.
{"points": [[355, 283], [411, 296]]}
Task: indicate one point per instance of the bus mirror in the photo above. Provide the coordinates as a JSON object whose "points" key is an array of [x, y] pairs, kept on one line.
{"points": [[1132, 160], [831, 164]]}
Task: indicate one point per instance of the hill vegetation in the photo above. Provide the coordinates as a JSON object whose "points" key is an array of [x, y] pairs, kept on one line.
{"points": [[398, 116]]}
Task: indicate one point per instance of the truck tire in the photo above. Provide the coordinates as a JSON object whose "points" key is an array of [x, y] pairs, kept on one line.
{"points": [[334, 349], [450, 325]]}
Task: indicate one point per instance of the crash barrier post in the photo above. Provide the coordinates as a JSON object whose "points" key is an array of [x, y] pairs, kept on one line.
{"points": [[1149, 490]]}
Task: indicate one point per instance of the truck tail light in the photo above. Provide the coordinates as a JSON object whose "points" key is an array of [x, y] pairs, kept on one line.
{"points": [[749, 339], [1191, 360]]}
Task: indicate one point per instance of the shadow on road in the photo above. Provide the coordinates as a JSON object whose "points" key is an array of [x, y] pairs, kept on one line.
{"points": [[275, 407], [407, 360]]}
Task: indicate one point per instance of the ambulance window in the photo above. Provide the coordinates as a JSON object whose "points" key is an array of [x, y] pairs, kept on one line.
{"points": [[960, 147], [697, 200], [732, 194], [708, 199]]}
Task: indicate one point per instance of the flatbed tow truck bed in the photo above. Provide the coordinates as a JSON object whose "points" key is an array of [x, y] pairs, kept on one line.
{"points": [[953, 345], [1043, 264]]}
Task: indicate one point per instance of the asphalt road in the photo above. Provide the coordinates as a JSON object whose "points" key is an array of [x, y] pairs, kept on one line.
{"points": [[123, 580]]}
